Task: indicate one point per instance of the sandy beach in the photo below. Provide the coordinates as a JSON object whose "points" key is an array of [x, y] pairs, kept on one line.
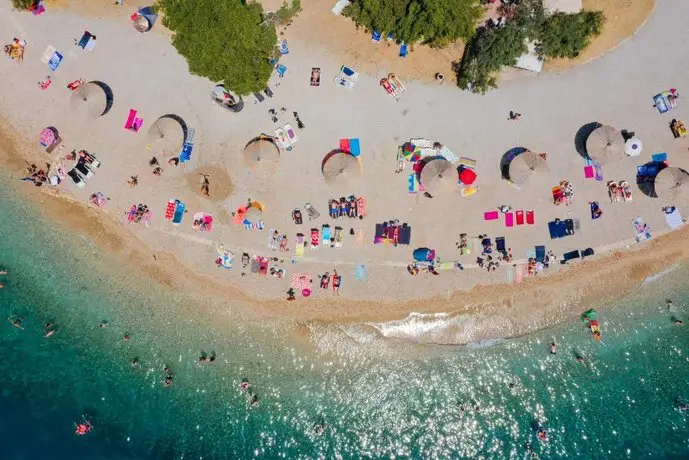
{"points": [[145, 73]]}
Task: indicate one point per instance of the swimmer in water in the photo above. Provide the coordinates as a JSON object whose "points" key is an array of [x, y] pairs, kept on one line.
{"points": [[16, 322], [254, 401], [49, 329], [103, 324], [244, 385], [126, 337], [678, 322], [319, 428], [580, 359], [134, 362], [3, 272], [168, 377], [668, 302], [553, 348], [542, 435]]}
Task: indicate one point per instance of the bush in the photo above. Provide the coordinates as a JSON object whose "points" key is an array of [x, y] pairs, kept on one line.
{"points": [[487, 53], [287, 12], [566, 35], [223, 41], [23, 4], [435, 22]]}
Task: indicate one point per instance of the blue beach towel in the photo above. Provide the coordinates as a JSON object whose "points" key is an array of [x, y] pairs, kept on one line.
{"points": [[284, 49], [355, 147], [404, 50], [360, 272], [281, 70], [55, 61], [659, 157], [186, 152], [540, 253], [179, 213], [375, 36], [84, 40]]}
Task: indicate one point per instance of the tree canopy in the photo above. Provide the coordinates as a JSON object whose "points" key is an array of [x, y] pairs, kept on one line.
{"points": [[435, 22], [490, 50], [223, 41], [23, 4], [565, 35]]}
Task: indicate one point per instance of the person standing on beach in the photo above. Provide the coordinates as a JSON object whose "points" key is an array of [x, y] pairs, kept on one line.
{"points": [[206, 185]]}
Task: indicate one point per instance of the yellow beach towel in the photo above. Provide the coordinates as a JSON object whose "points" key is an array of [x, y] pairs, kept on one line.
{"points": [[299, 250]]}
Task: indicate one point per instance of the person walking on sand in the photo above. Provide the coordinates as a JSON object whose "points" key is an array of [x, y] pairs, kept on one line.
{"points": [[133, 181], [337, 279], [515, 116]]}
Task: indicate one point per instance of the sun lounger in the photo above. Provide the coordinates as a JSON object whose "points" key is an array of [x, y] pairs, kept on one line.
{"points": [[84, 170], [500, 244], [282, 139], [571, 255], [76, 178], [315, 239], [259, 97], [673, 219], [170, 209], [490, 215], [355, 147], [530, 217], [325, 231], [338, 237], [179, 213], [509, 219], [540, 253], [405, 235], [520, 217], [311, 211], [587, 252], [291, 134]]}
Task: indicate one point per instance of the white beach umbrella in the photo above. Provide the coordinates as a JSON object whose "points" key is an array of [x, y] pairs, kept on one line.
{"points": [[633, 147], [605, 144]]}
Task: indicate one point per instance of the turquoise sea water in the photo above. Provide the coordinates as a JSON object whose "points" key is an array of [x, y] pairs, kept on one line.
{"points": [[378, 398]]}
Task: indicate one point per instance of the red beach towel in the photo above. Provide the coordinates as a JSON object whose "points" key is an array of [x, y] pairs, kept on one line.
{"points": [[344, 145], [530, 217], [170, 209], [520, 217]]}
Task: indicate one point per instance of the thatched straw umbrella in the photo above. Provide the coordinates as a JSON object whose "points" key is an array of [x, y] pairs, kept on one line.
{"points": [[438, 176], [605, 144], [524, 166], [672, 184], [89, 101], [341, 169]]}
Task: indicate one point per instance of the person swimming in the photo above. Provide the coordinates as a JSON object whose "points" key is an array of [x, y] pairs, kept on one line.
{"points": [[244, 385], [168, 377], [319, 428], [553, 348], [103, 324], [49, 329], [668, 302], [580, 359], [542, 435], [134, 362], [83, 428], [254, 401], [126, 337], [16, 322]]}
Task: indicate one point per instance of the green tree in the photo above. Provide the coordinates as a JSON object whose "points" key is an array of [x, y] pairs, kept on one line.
{"points": [[566, 35], [223, 41], [491, 49], [23, 4], [434, 22]]}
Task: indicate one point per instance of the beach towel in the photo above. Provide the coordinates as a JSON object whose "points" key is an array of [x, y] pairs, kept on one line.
{"points": [[344, 145], [540, 253], [500, 244], [520, 217], [338, 237], [254, 265], [315, 239], [375, 36], [325, 230], [448, 155], [360, 272], [673, 219], [37, 9], [179, 213], [301, 281], [530, 217], [659, 157], [595, 214], [509, 219], [84, 40], [281, 70], [588, 169], [355, 147], [170, 209], [571, 255], [598, 170], [359, 237], [263, 264], [467, 162], [587, 252], [284, 48], [569, 226], [91, 44], [405, 235], [361, 206], [412, 183], [404, 50], [55, 61], [490, 215], [129, 123], [299, 248]]}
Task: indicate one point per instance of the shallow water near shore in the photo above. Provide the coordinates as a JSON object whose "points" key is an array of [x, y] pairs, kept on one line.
{"points": [[378, 397]]}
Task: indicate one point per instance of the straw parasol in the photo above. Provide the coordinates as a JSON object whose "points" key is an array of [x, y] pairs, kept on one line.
{"points": [[605, 144], [672, 184], [523, 166], [262, 156], [167, 134], [438, 175], [89, 101], [341, 168]]}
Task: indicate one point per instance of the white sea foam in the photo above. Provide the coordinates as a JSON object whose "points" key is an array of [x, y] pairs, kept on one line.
{"points": [[440, 328], [660, 275]]}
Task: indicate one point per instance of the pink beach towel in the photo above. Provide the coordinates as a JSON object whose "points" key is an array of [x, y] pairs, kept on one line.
{"points": [[520, 217], [588, 172], [490, 215], [509, 219], [208, 220], [530, 219], [129, 124]]}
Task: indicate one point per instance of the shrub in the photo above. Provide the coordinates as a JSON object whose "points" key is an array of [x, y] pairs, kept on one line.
{"points": [[223, 41], [566, 35], [23, 4], [435, 22]]}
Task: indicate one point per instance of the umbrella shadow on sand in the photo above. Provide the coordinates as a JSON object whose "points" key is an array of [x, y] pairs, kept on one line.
{"points": [[507, 158], [582, 136], [109, 97]]}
